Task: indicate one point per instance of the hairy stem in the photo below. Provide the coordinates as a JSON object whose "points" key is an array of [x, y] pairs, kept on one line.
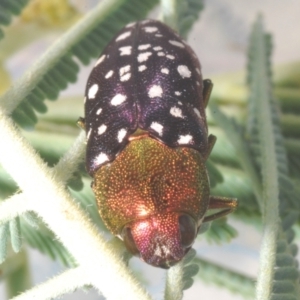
{"points": [[261, 89]]}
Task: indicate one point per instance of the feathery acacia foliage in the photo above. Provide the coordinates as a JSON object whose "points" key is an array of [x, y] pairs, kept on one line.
{"points": [[280, 207], [261, 149], [57, 169], [7, 10]]}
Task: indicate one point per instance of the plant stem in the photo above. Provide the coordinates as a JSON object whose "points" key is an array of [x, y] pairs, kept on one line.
{"points": [[260, 87], [174, 283], [169, 13], [66, 282]]}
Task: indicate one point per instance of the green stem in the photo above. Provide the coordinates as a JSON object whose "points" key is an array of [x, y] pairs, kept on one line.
{"points": [[169, 13], [63, 283], [260, 92], [174, 282]]}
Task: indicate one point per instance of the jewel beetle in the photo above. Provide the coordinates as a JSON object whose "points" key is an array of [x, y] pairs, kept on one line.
{"points": [[147, 142]]}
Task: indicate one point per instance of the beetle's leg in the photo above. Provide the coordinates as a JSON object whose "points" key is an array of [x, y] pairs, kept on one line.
{"points": [[211, 142], [207, 88], [81, 123], [227, 205]]}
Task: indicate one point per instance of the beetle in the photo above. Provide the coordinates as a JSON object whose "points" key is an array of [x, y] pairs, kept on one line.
{"points": [[147, 142]]}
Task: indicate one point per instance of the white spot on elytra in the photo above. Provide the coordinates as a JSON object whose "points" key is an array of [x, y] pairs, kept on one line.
{"points": [[176, 43], [125, 77], [198, 71], [142, 68], [170, 56], [98, 112], [161, 53], [126, 50], [109, 74], [100, 159], [198, 83], [102, 129], [124, 73], [100, 60], [197, 112], [184, 71], [158, 35], [176, 112], [155, 91], [123, 36], [93, 91], [144, 47], [157, 48], [184, 139], [124, 70], [121, 134], [179, 102], [165, 70], [118, 99], [150, 29], [157, 127], [177, 93], [143, 56]]}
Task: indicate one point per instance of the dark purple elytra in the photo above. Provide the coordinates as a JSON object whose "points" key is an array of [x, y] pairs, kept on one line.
{"points": [[148, 78]]}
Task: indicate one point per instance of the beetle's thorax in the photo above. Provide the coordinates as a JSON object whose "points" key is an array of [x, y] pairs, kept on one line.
{"points": [[149, 178]]}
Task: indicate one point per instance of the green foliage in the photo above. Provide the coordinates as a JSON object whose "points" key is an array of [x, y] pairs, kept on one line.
{"points": [[44, 240], [224, 277], [220, 232], [215, 176], [190, 269], [181, 14], [188, 13], [7, 10], [265, 156]]}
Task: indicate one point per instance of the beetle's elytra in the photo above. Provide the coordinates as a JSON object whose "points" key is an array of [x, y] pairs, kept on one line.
{"points": [[147, 142]]}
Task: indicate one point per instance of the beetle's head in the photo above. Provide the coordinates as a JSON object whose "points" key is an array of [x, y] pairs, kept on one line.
{"points": [[161, 240]]}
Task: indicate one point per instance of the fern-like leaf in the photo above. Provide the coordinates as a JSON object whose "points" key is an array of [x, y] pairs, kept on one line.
{"points": [[235, 134], [237, 184], [7, 10], [180, 277], [215, 274], [278, 192], [188, 13], [220, 232], [215, 176], [181, 14]]}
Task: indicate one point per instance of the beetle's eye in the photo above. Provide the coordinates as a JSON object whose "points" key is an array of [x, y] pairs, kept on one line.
{"points": [[187, 229], [129, 241]]}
